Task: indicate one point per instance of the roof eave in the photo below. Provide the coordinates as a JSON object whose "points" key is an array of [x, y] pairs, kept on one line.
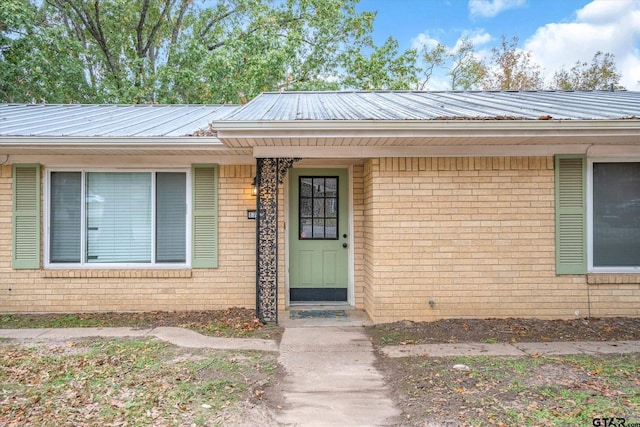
{"points": [[330, 126], [399, 128], [88, 145]]}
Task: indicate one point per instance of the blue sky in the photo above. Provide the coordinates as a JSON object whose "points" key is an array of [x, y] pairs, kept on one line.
{"points": [[557, 32]]}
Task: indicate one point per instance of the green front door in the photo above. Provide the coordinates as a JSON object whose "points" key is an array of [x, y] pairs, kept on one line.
{"points": [[318, 234]]}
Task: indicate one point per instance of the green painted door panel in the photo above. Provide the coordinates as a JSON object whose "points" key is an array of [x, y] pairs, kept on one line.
{"points": [[315, 262]]}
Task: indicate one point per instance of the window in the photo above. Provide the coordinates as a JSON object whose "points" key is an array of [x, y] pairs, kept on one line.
{"points": [[100, 218], [614, 243], [318, 208]]}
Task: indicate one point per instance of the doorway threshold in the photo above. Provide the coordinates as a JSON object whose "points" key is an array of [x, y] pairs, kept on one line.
{"points": [[320, 314], [324, 304]]}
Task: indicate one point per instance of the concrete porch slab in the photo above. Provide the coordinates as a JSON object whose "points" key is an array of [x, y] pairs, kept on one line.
{"points": [[353, 317]]}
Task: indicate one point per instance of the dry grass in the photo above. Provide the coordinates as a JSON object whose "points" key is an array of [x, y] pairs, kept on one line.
{"points": [[129, 382]]}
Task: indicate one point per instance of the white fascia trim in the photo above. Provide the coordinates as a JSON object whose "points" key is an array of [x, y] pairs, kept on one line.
{"points": [[483, 150], [418, 128], [86, 143]]}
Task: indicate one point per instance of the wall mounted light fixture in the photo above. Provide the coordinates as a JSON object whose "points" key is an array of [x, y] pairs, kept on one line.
{"points": [[254, 187]]}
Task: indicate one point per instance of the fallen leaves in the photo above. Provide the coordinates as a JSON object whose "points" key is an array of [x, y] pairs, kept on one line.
{"points": [[539, 390], [231, 322], [511, 330], [123, 382]]}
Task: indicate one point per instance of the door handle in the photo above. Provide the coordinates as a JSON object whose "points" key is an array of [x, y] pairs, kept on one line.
{"points": [[344, 245]]}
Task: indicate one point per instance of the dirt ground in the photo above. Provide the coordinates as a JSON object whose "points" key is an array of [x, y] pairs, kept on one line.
{"points": [[232, 322], [505, 330], [119, 382], [502, 391], [510, 391]]}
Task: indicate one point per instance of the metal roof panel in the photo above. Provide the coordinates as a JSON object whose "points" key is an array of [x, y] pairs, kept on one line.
{"points": [[420, 105], [101, 120]]}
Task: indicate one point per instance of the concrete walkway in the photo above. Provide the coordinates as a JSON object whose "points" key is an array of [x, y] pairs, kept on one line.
{"points": [[190, 339], [331, 379], [515, 349], [178, 336]]}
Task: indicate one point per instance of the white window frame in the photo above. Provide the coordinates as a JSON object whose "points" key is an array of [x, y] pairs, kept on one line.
{"points": [[589, 194], [98, 266]]}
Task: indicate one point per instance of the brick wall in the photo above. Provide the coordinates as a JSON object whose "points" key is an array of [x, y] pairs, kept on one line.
{"points": [[358, 235], [368, 238], [476, 237], [232, 284]]}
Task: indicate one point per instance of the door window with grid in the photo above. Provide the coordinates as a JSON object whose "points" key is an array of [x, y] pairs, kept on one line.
{"points": [[318, 205]]}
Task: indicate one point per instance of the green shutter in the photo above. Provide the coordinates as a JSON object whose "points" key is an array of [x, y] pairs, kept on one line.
{"points": [[571, 214], [26, 216], [205, 216]]}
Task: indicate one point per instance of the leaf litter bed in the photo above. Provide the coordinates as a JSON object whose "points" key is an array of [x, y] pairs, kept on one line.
{"points": [[233, 322], [505, 330]]}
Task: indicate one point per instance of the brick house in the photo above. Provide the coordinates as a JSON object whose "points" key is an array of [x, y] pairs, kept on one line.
{"points": [[409, 205]]}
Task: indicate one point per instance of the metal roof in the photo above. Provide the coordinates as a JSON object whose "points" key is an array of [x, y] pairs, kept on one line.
{"points": [[411, 105], [101, 120]]}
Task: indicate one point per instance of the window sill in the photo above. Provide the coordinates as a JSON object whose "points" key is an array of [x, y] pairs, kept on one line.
{"points": [[612, 279], [118, 274]]}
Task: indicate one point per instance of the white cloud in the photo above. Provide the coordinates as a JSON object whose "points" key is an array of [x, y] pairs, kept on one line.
{"points": [[490, 8], [480, 39], [440, 82], [477, 37], [602, 25], [423, 40]]}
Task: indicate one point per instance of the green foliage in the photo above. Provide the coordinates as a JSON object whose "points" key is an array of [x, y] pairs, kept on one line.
{"points": [[15, 15], [467, 71], [384, 69], [37, 61], [181, 51], [599, 75]]}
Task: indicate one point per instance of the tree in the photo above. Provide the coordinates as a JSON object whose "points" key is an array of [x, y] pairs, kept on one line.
{"points": [[467, 71], [601, 74], [221, 51], [125, 43], [182, 51], [37, 62], [384, 69], [292, 45], [433, 58], [512, 69]]}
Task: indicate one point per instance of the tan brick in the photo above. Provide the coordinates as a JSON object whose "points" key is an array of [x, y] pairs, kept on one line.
{"points": [[66, 290], [475, 234], [492, 242]]}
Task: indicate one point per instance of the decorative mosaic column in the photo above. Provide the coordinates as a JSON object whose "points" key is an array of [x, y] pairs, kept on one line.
{"points": [[270, 174]]}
